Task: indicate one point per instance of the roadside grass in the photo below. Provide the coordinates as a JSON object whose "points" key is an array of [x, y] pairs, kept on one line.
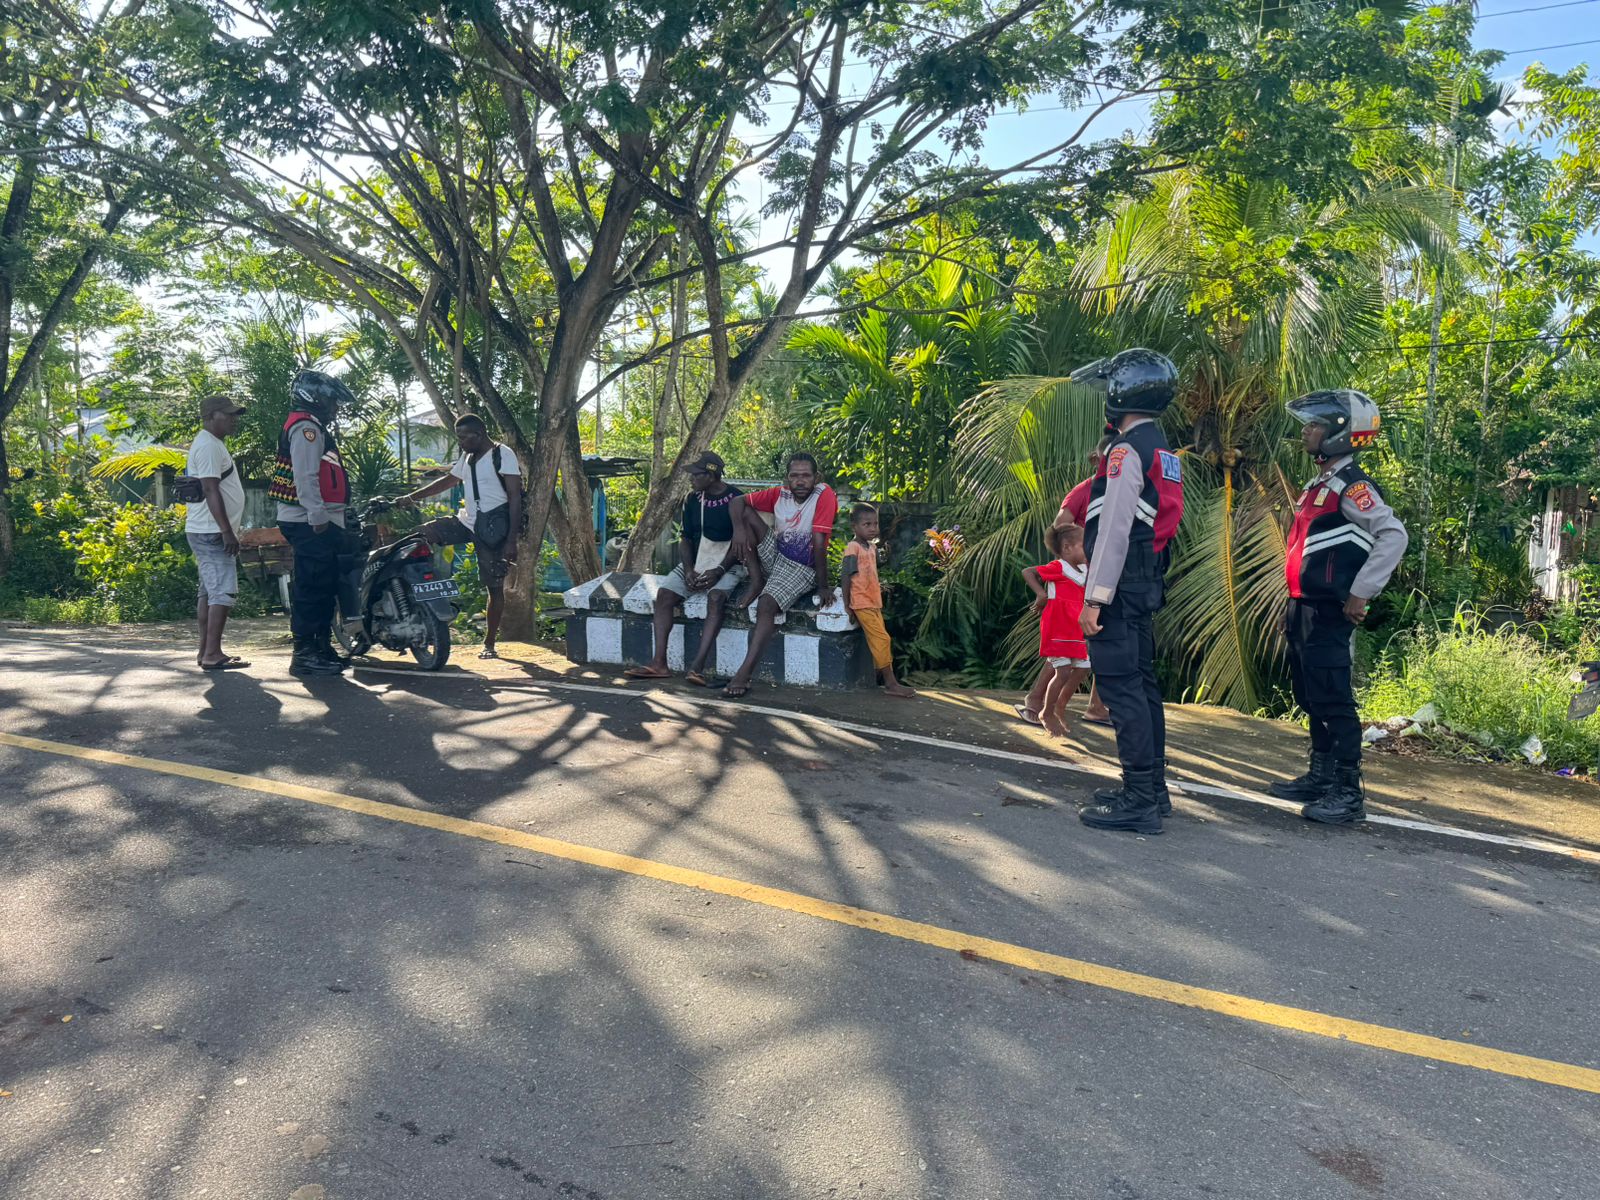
{"points": [[1497, 687]]}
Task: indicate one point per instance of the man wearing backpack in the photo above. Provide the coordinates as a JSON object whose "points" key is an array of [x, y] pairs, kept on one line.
{"points": [[490, 518]]}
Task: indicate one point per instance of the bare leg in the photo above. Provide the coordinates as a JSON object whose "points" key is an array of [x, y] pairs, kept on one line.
{"points": [[1064, 684], [1035, 700], [1054, 695], [1097, 711], [893, 686], [202, 616], [665, 608], [491, 619], [766, 623], [756, 531], [716, 606]]}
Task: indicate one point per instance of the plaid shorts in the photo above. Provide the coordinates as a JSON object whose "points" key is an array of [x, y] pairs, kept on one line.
{"points": [[787, 580]]}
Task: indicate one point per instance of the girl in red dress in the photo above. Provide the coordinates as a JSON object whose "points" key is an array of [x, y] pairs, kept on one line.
{"points": [[1058, 598]]}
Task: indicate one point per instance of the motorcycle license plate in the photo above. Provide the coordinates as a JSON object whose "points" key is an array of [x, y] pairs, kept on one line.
{"points": [[1584, 703], [436, 589]]}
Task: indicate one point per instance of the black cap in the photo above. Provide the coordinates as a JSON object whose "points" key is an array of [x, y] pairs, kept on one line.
{"points": [[708, 463]]}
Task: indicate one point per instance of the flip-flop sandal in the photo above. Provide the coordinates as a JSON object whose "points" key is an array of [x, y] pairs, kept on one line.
{"points": [[733, 693], [227, 664], [1098, 720], [1023, 711], [489, 653], [697, 679], [645, 673]]}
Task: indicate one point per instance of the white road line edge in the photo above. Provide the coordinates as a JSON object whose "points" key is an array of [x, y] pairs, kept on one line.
{"points": [[1185, 787]]}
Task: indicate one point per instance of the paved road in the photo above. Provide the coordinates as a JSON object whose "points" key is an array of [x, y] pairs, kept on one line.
{"points": [[269, 996]]}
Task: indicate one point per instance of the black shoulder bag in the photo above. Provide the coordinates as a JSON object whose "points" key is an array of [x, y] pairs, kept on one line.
{"points": [[489, 529], [186, 489]]}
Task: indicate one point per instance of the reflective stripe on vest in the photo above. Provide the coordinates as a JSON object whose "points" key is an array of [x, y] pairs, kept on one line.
{"points": [[1325, 550]]}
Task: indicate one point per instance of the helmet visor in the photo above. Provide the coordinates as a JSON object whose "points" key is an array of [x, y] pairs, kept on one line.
{"points": [[1091, 375], [1321, 408]]}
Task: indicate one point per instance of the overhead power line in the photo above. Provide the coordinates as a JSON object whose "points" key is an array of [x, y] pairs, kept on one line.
{"points": [[1557, 46], [1510, 12]]}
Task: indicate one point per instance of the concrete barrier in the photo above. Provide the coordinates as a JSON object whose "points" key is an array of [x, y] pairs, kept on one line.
{"points": [[611, 625]]}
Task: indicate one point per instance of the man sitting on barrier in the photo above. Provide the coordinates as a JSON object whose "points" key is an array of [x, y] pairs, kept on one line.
{"points": [[787, 561], [706, 559]]}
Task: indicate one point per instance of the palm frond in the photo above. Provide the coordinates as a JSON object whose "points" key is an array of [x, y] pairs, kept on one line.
{"points": [[141, 464]]}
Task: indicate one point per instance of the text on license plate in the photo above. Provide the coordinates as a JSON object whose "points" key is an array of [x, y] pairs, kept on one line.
{"points": [[435, 589]]}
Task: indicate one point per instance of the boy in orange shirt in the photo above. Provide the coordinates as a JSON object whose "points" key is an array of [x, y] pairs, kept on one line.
{"points": [[863, 598]]}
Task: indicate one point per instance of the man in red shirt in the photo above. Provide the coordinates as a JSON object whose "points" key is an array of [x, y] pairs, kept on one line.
{"points": [[787, 561]]}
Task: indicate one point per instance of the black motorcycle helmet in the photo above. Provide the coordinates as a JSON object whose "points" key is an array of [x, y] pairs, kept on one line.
{"points": [[1134, 381], [321, 395], [1349, 417]]}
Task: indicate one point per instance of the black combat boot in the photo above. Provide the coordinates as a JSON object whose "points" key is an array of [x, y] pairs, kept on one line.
{"points": [[1344, 803], [1113, 796], [323, 644], [1309, 786], [307, 661], [1134, 809]]}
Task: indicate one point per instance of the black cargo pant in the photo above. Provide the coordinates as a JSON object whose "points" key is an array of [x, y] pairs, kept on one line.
{"points": [[1321, 651], [1123, 655], [316, 577]]}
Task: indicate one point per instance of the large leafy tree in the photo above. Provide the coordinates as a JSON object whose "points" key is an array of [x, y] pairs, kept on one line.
{"points": [[511, 182], [78, 196], [1257, 296]]}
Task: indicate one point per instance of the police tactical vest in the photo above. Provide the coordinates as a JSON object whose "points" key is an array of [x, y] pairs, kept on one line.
{"points": [[333, 482], [1326, 550], [1160, 501]]}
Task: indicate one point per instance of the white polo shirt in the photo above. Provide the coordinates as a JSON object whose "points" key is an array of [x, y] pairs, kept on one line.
{"points": [[490, 488]]}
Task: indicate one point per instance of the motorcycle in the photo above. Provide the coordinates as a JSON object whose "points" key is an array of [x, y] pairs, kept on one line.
{"points": [[399, 596], [1587, 701]]}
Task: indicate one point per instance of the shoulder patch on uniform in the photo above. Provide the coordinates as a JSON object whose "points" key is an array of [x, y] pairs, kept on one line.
{"points": [[309, 434], [1114, 461], [1360, 494], [1171, 466]]}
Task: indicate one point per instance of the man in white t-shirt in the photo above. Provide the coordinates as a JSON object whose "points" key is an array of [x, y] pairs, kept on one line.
{"points": [[491, 515], [212, 527]]}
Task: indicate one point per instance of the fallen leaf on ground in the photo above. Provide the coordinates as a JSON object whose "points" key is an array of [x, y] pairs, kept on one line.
{"points": [[315, 1146], [288, 1129], [311, 1191], [66, 1018]]}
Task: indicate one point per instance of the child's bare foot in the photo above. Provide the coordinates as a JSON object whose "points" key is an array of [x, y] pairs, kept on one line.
{"points": [[1053, 725], [899, 689]]}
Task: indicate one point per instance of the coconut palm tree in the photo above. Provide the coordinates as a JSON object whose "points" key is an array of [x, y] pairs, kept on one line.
{"points": [[1257, 298], [881, 391]]}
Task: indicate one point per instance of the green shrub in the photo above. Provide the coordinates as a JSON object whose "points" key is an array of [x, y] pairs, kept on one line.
{"points": [[1502, 685], [44, 564], [136, 559]]}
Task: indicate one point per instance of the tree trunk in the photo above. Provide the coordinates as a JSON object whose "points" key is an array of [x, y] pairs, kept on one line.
{"points": [[8, 533]]}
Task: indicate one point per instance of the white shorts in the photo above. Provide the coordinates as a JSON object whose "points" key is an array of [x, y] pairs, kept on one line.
{"points": [[1068, 662]]}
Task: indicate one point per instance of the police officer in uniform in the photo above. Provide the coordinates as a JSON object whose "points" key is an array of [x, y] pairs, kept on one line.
{"points": [[1135, 504], [1344, 544], [311, 487]]}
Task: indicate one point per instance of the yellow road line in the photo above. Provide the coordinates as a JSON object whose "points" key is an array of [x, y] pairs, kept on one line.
{"points": [[1399, 1041]]}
